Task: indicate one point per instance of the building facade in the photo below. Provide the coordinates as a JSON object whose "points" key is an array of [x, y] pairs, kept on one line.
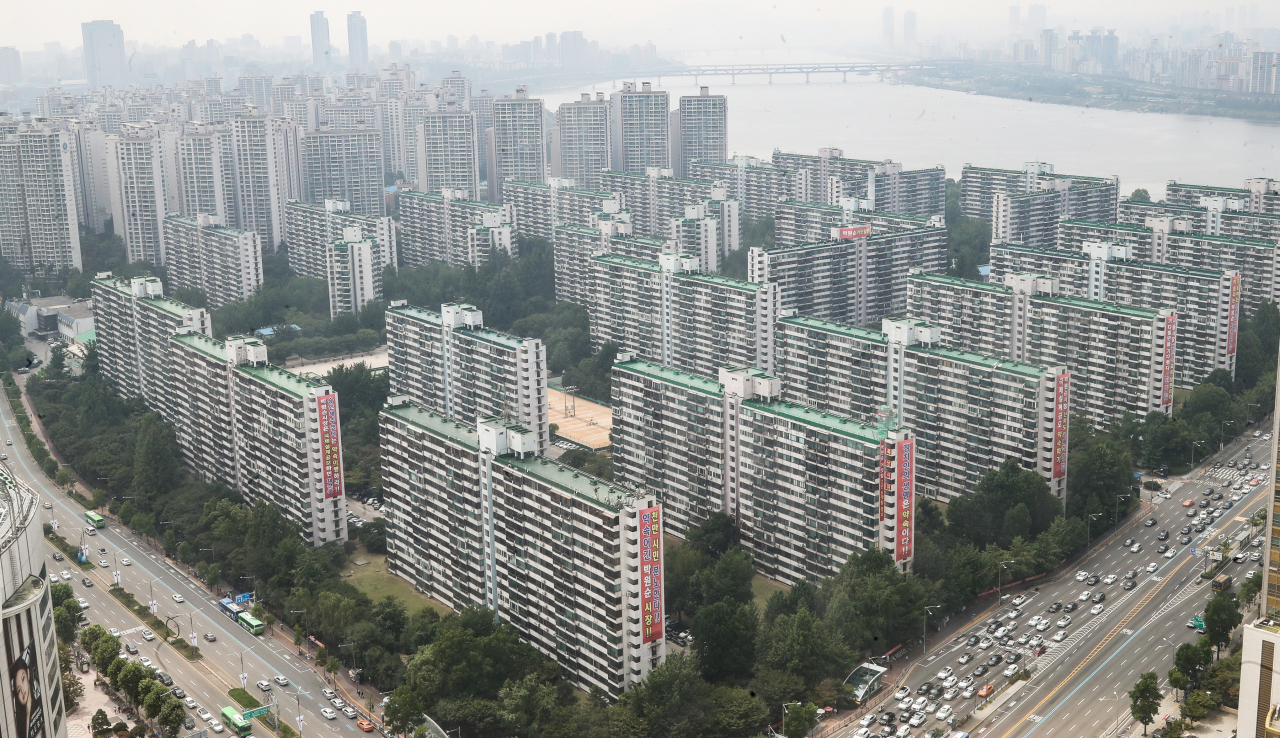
{"points": [[702, 131], [354, 272], [40, 201], [201, 253], [344, 165], [755, 183], [448, 151], [310, 228], [640, 128], [584, 133], [516, 145], [541, 208], [449, 227]]}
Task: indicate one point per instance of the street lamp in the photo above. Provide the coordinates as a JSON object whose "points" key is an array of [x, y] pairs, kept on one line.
{"points": [[925, 641], [1118, 497], [1087, 531], [1221, 428], [1000, 577], [1193, 452]]}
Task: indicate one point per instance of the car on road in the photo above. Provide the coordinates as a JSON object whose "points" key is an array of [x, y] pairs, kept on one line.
{"points": [[367, 726], [973, 640], [264, 685], [1255, 556], [104, 563], [1054, 607], [83, 603], [1099, 597], [1129, 584], [280, 680], [1150, 522], [1170, 554], [1022, 639], [1085, 595], [1040, 649], [86, 581], [178, 598], [1111, 579], [328, 693], [188, 723], [904, 730], [114, 632], [886, 717], [919, 704], [945, 672], [950, 681], [995, 659], [147, 635], [145, 662], [1164, 536], [986, 643], [1064, 621], [329, 714], [980, 670], [965, 658], [1043, 625], [1011, 670], [917, 720], [936, 693], [867, 720], [1256, 542], [902, 692], [1152, 567], [190, 702], [1137, 548], [1092, 580], [126, 562], [968, 693], [1191, 513], [210, 638], [932, 706], [1019, 600], [924, 688], [1081, 576], [1001, 633], [1184, 540], [905, 705], [337, 702], [1060, 636], [1128, 542], [1188, 502], [1036, 640], [1015, 612], [1071, 606], [164, 679], [1097, 609], [349, 712], [986, 690], [132, 649], [1163, 547], [203, 714], [1250, 575], [966, 682], [944, 713], [215, 726], [66, 575]]}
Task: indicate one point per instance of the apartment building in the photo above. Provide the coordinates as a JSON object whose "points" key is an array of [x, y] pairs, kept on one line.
{"points": [[448, 151], [39, 182], [640, 128], [885, 185], [1213, 216], [1259, 194], [344, 165], [272, 435], [574, 246], [310, 228], [855, 275], [354, 272], [136, 177], [655, 196], [1084, 198], [1208, 302], [449, 227], [450, 364], [205, 171], [477, 517], [807, 488], [202, 253], [669, 312], [710, 230], [133, 321], [268, 172], [540, 208], [700, 130], [584, 138], [755, 183], [797, 223], [968, 412], [515, 146], [1121, 358]]}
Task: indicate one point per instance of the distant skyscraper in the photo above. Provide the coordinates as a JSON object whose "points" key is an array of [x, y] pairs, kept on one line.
{"points": [[703, 130], [357, 40], [640, 128], [10, 65], [909, 27], [104, 62], [1048, 45], [321, 51], [887, 31]]}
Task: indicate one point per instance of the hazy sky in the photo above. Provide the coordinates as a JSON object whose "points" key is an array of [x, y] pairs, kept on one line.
{"points": [[674, 25]]}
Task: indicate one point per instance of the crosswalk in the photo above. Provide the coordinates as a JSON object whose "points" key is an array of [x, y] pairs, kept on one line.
{"points": [[1225, 472]]}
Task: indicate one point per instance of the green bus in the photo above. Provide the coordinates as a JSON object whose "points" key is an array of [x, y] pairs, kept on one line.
{"points": [[94, 519], [250, 623], [236, 724]]}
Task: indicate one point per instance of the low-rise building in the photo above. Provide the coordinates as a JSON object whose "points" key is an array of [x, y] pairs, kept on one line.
{"points": [[62, 316]]}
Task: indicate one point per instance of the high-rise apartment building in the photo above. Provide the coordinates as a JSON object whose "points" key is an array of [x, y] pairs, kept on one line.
{"points": [[703, 130], [10, 65], [1259, 195], [354, 272], [357, 40], [516, 147], [575, 245], [344, 165], [256, 91], [268, 171], [93, 185], [807, 488], [309, 229], [828, 177], [1214, 216], [969, 412], [1264, 72], [640, 128], [450, 228], [138, 197], [201, 253], [205, 177], [133, 321], [655, 196], [909, 29], [321, 49], [450, 364], [709, 230], [755, 183], [39, 213], [272, 435], [800, 223], [545, 533], [585, 137], [541, 208], [448, 151], [1031, 195], [1208, 302], [670, 313], [1026, 320], [104, 57]]}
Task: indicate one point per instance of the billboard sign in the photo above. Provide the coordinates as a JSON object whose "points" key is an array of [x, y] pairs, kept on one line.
{"points": [[330, 445], [1170, 339], [884, 475], [1233, 315], [651, 573], [848, 233], [1061, 423], [25, 690], [906, 493]]}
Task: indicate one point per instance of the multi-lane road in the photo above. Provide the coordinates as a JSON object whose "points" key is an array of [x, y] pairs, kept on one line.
{"points": [[1079, 684], [207, 681]]}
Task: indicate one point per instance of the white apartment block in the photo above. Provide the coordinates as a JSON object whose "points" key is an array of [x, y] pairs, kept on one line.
{"points": [[710, 230], [799, 223], [670, 313], [856, 276], [1208, 302], [755, 183], [1259, 195], [829, 176], [344, 165], [584, 137], [573, 247], [268, 171], [640, 128], [516, 146], [968, 412], [541, 208], [354, 273], [272, 435], [449, 363], [807, 488], [1121, 358], [205, 171], [201, 253], [1214, 216], [133, 321], [93, 198], [136, 179], [1082, 198], [476, 516], [448, 151], [256, 90], [1032, 217], [309, 229], [449, 227], [700, 131], [39, 217], [654, 196]]}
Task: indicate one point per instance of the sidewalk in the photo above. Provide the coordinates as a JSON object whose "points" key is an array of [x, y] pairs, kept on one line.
{"points": [[357, 696]]}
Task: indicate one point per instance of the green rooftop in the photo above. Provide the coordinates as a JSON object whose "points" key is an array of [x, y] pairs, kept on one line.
{"points": [[820, 420], [728, 282], [661, 373], [1122, 263], [622, 261], [1108, 226], [504, 340], [986, 362], [579, 229], [849, 331], [812, 206], [295, 384], [591, 489], [210, 347], [1100, 307], [438, 425], [166, 304], [416, 313], [968, 284], [1209, 188]]}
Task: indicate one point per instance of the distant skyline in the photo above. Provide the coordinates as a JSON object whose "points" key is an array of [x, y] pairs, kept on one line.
{"points": [[731, 27]]}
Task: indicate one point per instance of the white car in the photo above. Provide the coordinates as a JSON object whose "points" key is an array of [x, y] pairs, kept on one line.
{"points": [[966, 682], [178, 598], [904, 730], [1010, 670], [950, 681], [917, 719], [986, 643], [905, 705], [104, 563], [1085, 595], [1019, 600], [1015, 612], [329, 714], [1001, 632], [1022, 639], [863, 732], [337, 702], [203, 714], [968, 693], [215, 726], [1110, 579], [902, 692], [1034, 621], [349, 712], [920, 704], [1035, 641], [866, 721], [966, 658], [190, 702], [147, 635], [1060, 636], [1081, 576], [1170, 553], [1064, 621], [125, 562], [1152, 567], [66, 575], [265, 686], [328, 693], [1096, 609], [1043, 625], [944, 712], [1137, 548], [83, 603], [946, 672], [145, 662]]}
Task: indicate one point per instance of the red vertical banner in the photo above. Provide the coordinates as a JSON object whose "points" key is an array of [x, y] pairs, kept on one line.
{"points": [[884, 475], [1061, 422], [651, 573], [906, 493], [330, 445], [1233, 315], [1170, 339]]}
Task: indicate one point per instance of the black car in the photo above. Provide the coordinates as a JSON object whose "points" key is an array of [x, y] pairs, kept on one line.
{"points": [[904, 717], [179, 692], [1150, 522], [924, 688], [1217, 496], [1071, 606], [164, 679], [1186, 529], [1163, 547], [886, 717], [995, 659], [1131, 574], [1129, 584], [1164, 536], [1093, 580], [993, 628], [1099, 597], [972, 640], [1204, 503], [188, 722], [87, 582], [1012, 657], [982, 669], [1005, 640], [132, 649], [1199, 528], [1054, 607], [1184, 540]]}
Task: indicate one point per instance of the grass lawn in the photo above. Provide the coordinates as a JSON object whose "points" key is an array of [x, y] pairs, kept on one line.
{"points": [[374, 580]]}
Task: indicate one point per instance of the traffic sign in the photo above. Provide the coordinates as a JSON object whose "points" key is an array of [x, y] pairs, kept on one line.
{"points": [[1215, 556], [243, 598], [1195, 551], [255, 712]]}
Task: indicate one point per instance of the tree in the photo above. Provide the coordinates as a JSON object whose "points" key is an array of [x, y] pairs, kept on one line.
{"points": [[404, 710], [799, 720], [89, 636], [63, 478], [100, 723], [72, 690], [155, 459], [64, 624], [1192, 659], [105, 651], [1144, 699], [713, 536], [1197, 705], [527, 703], [1221, 616], [683, 591], [171, 716], [731, 578], [1178, 681], [153, 703], [1140, 195], [725, 640], [213, 575], [131, 676]]}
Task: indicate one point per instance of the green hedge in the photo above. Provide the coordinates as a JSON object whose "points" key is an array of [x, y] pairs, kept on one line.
{"points": [[244, 698]]}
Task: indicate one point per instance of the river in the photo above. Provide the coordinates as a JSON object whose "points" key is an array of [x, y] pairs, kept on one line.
{"points": [[922, 127]]}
